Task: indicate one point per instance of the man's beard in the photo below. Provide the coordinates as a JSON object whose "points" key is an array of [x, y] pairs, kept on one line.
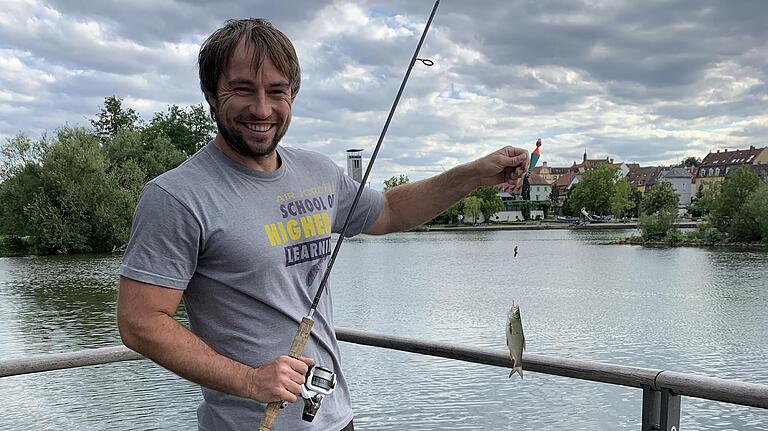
{"points": [[235, 140]]}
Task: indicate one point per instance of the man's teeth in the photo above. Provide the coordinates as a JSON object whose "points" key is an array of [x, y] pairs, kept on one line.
{"points": [[258, 127]]}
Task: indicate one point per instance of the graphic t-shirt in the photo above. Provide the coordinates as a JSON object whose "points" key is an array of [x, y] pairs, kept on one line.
{"points": [[249, 249]]}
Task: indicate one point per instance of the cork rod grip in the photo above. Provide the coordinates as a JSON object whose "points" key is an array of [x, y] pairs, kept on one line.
{"points": [[297, 348]]}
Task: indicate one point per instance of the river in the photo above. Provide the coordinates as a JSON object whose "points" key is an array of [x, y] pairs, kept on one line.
{"points": [[691, 310]]}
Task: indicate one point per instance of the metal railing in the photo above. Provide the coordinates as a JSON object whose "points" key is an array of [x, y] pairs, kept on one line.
{"points": [[661, 389]]}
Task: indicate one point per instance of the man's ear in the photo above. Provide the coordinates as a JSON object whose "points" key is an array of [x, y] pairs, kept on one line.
{"points": [[213, 104]]}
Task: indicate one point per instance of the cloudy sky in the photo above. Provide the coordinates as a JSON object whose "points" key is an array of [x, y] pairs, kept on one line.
{"points": [[649, 82]]}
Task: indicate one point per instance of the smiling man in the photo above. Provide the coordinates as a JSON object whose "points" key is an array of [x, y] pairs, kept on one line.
{"points": [[240, 232]]}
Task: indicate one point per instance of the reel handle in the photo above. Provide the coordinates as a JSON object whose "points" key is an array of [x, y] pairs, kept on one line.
{"points": [[297, 348]]}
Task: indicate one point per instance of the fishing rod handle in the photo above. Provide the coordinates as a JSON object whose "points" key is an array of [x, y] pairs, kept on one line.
{"points": [[297, 348]]}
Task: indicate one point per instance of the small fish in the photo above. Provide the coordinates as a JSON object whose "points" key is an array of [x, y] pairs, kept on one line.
{"points": [[515, 339], [515, 251]]}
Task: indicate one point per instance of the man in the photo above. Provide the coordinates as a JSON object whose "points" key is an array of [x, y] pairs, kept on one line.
{"points": [[242, 229]]}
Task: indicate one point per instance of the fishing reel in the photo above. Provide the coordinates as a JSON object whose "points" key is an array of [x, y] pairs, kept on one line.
{"points": [[319, 383]]}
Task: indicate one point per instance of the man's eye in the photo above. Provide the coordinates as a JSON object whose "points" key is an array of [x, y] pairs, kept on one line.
{"points": [[242, 89]]}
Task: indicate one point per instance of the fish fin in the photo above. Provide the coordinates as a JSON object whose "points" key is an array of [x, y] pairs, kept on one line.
{"points": [[518, 370], [523, 343]]}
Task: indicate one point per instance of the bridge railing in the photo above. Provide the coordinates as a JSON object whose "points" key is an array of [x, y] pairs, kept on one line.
{"points": [[662, 389]]}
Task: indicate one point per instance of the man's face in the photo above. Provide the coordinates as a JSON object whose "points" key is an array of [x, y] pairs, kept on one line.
{"points": [[254, 107]]}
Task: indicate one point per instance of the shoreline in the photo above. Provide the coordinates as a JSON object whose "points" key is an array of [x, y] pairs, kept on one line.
{"points": [[543, 226]]}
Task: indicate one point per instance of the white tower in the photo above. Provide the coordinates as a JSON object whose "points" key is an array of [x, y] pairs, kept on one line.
{"points": [[355, 164]]}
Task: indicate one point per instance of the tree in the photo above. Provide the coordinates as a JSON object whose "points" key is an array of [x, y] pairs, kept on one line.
{"points": [[659, 225], [394, 181], [662, 197], [705, 199], [756, 207], [187, 130], [621, 199], [113, 118], [490, 202], [19, 152], [691, 161], [594, 190], [727, 212], [554, 197], [472, 205]]}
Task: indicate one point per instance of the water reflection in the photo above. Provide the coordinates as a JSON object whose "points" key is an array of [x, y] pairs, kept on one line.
{"points": [[692, 310]]}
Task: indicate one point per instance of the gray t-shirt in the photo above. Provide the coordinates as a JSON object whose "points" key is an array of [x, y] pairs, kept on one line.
{"points": [[249, 249]]}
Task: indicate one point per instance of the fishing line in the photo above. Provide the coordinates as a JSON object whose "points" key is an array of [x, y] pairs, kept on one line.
{"points": [[370, 165]]}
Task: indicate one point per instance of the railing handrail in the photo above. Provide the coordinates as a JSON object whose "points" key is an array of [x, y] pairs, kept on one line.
{"points": [[710, 388]]}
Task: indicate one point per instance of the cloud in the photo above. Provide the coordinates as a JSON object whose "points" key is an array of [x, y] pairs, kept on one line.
{"points": [[647, 83]]}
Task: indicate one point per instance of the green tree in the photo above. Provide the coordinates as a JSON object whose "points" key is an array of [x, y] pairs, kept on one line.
{"points": [[19, 152], [554, 197], [727, 212], [659, 225], [756, 207], [16, 193], [394, 181], [472, 208], [691, 161], [79, 208], [705, 199], [621, 199], [187, 130], [594, 190], [113, 117], [662, 197], [490, 202]]}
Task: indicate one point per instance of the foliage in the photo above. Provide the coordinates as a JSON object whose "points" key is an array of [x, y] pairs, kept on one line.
{"points": [[594, 191], [490, 202], [756, 209], [188, 130], [394, 181], [622, 198], [705, 199], [656, 227], [472, 208], [554, 197], [691, 161], [113, 118], [727, 209], [662, 197], [76, 193]]}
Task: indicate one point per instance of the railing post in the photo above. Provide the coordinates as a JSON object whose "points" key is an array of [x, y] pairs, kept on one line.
{"points": [[670, 411], [651, 409], [661, 410]]}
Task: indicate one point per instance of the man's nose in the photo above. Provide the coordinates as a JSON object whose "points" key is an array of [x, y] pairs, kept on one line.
{"points": [[259, 106]]}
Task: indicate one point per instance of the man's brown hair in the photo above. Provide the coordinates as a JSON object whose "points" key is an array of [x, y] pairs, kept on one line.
{"points": [[263, 37]]}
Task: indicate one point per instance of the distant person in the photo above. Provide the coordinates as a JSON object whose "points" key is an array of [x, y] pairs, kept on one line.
{"points": [[237, 229]]}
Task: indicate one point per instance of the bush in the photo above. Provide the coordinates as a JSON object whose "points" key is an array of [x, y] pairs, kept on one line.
{"points": [[657, 226], [14, 245], [674, 237]]}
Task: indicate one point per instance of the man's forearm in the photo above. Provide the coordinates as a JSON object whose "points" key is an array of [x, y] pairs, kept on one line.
{"points": [[415, 203], [164, 340]]}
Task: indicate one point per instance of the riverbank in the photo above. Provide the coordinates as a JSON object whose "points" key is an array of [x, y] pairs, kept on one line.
{"points": [[540, 226], [690, 242]]}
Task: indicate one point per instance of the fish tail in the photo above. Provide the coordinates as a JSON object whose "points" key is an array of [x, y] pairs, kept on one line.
{"points": [[518, 370]]}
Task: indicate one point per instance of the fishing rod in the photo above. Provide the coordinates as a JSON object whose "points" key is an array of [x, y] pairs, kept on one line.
{"points": [[305, 327]]}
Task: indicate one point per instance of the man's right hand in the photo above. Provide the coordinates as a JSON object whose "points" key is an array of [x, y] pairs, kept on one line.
{"points": [[278, 380]]}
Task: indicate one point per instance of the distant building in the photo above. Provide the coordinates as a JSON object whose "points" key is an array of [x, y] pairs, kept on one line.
{"points": [[643, 178], [681, 180], [355, 164], [716, 166], [540, 189], [548, 173]]}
